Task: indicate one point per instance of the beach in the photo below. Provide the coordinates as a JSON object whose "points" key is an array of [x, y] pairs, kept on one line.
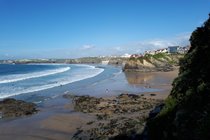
{"points": [[57, 118]]}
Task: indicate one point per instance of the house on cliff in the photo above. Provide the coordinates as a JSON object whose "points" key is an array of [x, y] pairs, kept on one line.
{"points": [[173, 49], [136, 56]]}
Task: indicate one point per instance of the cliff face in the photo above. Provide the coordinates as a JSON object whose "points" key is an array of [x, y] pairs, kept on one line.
{"points": [[186, 114], [157, 62], [136, 65]]}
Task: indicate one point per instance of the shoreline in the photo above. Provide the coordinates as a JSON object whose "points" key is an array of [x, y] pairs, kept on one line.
{"points": [[57, 118]]}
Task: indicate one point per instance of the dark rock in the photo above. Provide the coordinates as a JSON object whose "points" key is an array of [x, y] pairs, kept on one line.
{"points": [[69, 96], [125, 96], [115, 116], [15, 108], [156, 110]]}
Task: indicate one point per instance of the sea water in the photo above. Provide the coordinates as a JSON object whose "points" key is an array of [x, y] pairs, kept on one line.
{"points": [[41, 82], [22, 79]]}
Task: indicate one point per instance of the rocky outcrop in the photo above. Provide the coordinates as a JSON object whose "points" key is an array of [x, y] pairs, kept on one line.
{"points": [[15, 108], [124, 103], [151, 63], [148, 64], [124, 114], [136, 65]]}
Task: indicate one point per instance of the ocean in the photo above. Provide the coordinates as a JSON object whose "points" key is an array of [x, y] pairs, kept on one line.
{"points": [[40, 82], [22, 79]]}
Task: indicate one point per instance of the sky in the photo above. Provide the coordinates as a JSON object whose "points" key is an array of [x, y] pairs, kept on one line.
{"points": [[80, 28]]}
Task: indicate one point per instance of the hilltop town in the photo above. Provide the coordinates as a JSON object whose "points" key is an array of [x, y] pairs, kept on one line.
{"points": [[114, 59], [169, 50], [166, 59]]}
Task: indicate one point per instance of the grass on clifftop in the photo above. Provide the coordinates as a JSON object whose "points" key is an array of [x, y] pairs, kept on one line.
{"points": [[162, 57]]}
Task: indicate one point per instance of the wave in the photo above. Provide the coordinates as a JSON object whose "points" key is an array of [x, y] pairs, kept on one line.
{"points": [[56, 84], [118, 73], [50, 64], [85, 65], [20, 77]]}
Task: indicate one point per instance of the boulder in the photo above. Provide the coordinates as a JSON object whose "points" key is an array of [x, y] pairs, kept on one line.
{"points": [[15, 108]]}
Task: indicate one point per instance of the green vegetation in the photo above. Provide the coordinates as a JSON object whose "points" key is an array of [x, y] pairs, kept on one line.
{"points": [[89, 60], [141, 59], [162, 57], [186, 114]]}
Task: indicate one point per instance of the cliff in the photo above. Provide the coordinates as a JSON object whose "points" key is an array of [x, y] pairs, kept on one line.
{"points": [[157, 62], [186, 114]]}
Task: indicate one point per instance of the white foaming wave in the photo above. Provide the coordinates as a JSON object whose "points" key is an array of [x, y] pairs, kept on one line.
{"points": [[20, 77], [57, 84], [118, 73], [50, 64], [84, 65]]}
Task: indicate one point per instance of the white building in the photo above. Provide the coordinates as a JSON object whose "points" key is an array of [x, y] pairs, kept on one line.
{"points": [[126, 56]]}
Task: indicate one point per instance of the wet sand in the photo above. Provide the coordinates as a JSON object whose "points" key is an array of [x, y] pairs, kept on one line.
{"points": [[57, 119], [157, 80]]}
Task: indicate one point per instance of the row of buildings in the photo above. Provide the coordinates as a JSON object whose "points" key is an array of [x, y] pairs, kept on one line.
{"points": [[170, 50]]}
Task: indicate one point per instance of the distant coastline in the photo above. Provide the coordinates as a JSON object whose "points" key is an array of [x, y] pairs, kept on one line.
{"points": [[84, 60]]}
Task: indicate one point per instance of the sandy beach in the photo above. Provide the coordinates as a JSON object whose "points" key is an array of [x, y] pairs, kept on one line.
{"points": [[58, 120]]}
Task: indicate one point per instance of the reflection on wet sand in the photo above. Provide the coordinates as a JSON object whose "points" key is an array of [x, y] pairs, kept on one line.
{"points": [[135, 78], [151, 78], [156, 80]]}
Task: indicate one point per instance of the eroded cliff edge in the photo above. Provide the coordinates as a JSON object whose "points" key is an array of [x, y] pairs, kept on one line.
{"points": [[156, 62]]}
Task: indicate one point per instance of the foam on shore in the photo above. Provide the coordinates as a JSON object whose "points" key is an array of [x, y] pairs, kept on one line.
{"points": [[88, 72], [20, 77]]}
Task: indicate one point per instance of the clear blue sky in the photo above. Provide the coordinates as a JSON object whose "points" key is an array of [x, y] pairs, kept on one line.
{"points": [[77, 28]]}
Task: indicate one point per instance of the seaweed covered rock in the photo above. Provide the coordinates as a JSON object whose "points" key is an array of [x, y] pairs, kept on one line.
{"points": [[125, 114], [124, 103], [15, 108], [186, 114]]}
